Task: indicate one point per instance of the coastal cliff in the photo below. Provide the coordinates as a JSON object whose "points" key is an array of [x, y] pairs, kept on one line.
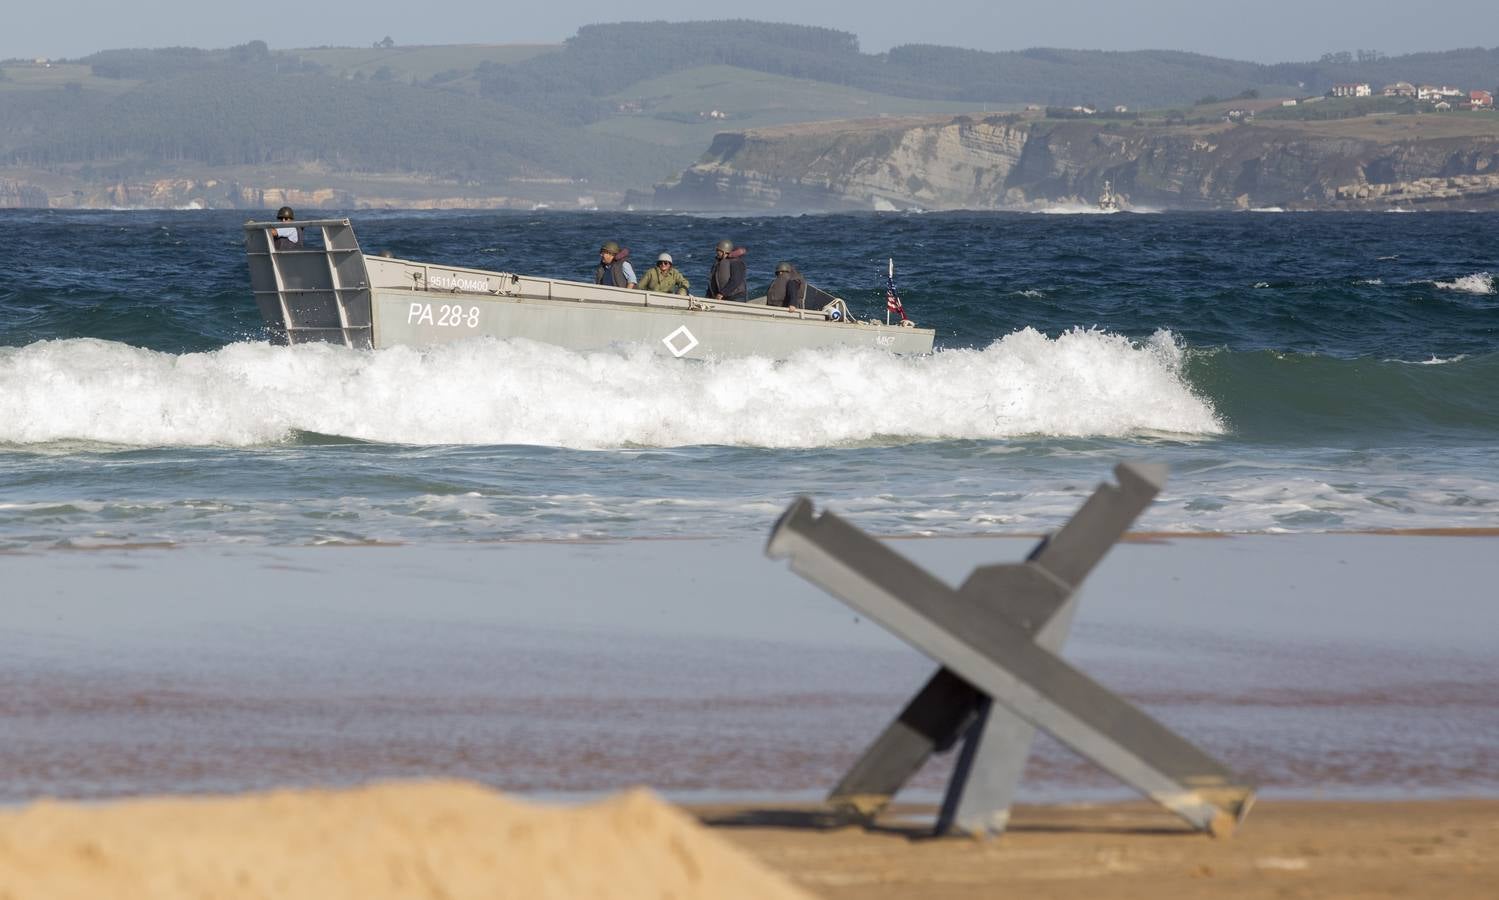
{"points": [[20, 194], [1017, 162], [998, 162]]}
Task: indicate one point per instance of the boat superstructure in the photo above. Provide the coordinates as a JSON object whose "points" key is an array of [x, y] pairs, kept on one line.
{"points": [[1108, 201], [327, 289]]}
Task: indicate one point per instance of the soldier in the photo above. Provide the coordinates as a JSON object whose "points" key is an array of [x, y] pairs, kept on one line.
{"points": [[614, 266], [789, 289], [665, 278], [726, 280], [287, 237]]}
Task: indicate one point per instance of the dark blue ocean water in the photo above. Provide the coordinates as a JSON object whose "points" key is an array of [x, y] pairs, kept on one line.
{"points": [[1299, 372]]}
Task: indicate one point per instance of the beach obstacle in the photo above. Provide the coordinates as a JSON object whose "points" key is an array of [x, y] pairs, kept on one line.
{"points": [[996, 639]]}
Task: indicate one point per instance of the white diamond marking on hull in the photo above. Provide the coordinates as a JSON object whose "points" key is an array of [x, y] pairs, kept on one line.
{"points": [[681, 332]]}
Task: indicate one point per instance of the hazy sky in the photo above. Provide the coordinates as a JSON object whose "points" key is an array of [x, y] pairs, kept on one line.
{"points": [[1260, 30]]}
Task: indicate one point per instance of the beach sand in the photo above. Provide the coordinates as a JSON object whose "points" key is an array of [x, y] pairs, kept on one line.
{"points": [[1326, 668], [415, 840], [454, 840], [1286, 849]]}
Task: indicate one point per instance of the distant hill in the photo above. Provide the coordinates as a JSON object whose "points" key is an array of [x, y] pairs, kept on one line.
{"points": [[615, 107]]}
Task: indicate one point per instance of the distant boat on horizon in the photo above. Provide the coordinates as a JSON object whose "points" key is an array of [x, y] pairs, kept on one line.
{"points": [[1108, 201]]}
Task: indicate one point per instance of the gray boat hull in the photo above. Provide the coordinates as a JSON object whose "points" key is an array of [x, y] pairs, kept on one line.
{"points": [[327, 290]]}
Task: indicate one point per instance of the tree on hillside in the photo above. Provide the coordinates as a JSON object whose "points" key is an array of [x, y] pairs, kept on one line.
{"points": [[386, 43], [254, 51]]}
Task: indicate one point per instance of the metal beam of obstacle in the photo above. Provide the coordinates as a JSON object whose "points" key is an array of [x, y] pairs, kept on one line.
{"points": [[997, 639]]}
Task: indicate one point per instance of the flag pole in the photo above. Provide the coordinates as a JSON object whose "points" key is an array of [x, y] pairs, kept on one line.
{"points": [[890, 280]]}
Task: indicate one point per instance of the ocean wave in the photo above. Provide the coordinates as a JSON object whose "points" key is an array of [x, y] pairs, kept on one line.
{"points": [[1287, 397], [1477, 283], [1083, 383]]}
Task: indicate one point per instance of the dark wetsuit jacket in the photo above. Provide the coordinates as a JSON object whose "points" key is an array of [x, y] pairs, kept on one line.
{"points": [[786, 290], [727, 277], [614, 273]]}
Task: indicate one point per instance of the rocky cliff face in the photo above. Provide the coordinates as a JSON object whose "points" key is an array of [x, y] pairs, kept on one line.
{"points": [[1016, 163], [18, 194]]}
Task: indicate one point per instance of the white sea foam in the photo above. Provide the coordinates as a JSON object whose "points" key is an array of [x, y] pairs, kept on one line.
{"points": [[1076, 209], [1433, 361], [1477, 283], [1083, 383]]}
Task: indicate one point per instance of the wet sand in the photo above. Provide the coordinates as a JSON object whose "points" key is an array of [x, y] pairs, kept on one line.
{"points": [[1325, 667], [1322, 666]]}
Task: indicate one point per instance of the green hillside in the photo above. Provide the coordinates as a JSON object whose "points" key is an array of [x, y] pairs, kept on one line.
{"points": [[675, 109], [31, 78], [630, 99], [446, 64]]}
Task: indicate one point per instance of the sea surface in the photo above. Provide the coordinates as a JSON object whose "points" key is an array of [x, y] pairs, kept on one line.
{"points": [[1302, 373], [1299, 372]]}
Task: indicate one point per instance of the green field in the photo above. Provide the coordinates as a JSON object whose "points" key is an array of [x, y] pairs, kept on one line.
{"points": [[31, 77], [419, 63], [1421, 126], [669, 105]]}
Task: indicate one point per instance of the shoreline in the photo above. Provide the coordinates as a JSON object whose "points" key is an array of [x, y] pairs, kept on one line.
{"points": [[1327, 663], [1130, 537]]}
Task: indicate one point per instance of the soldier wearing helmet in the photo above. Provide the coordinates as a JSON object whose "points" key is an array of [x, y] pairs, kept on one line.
{"points": [[789, 288], [726, 280], [614, 266], [664, 277], [287, 237]]}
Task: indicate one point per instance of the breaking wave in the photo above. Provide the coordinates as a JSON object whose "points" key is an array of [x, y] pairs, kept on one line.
{"points": [[1477, 283], [1084, 383]]}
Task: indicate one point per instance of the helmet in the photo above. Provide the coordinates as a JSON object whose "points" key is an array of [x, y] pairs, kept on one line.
{"points": [[665, 257], [725, 246], [284, 213], [783, 267], [610, 247]]}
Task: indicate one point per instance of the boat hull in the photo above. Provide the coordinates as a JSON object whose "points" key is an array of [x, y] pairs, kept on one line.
{"points": [[325, 289], [668, 326]]}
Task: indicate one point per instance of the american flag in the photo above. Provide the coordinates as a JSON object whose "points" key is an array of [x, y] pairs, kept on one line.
{"points": [[892, 299]]}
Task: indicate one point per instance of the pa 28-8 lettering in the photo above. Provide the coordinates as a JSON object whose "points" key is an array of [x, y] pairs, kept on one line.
{"points": [[443, 315]]}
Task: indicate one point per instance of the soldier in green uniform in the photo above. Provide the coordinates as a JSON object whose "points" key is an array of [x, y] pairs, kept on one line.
{"points": [[663, 278]]}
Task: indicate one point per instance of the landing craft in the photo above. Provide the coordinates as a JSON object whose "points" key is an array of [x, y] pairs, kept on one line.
{"points": [[329, 290], [1108, 201]]}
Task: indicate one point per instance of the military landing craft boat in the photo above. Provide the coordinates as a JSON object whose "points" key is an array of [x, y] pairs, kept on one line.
{"points": [[1108, 201], [327, 289]]}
